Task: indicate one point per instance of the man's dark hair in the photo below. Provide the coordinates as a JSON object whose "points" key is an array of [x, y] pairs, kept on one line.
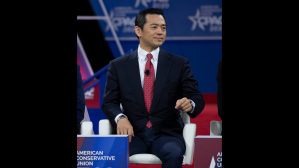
{"points": [[140, 19]]}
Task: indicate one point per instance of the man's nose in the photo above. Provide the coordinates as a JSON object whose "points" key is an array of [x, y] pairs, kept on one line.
{"points": [[159, 30]]}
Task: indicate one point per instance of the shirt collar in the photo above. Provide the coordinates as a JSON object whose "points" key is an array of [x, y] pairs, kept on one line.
{"points": [[142, 54]]}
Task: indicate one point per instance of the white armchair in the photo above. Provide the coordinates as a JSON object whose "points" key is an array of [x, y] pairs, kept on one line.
{"points": [[215, 128], [189, 131]]}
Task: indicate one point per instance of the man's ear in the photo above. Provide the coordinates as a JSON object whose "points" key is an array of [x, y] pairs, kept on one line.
{"points": [[138, 31]]}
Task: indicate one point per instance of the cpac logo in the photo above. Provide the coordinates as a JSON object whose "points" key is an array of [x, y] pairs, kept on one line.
{"points": [[202, 21], [163, 4], [127, 22], [89, 94]]}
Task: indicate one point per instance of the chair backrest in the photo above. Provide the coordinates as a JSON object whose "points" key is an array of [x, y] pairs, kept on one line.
{"points": [[105, 127], [215, 128], [86, 128]]}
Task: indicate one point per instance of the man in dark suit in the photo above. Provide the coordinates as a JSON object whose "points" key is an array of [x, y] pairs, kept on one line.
{"points": [[80, 99], [153, 86]]}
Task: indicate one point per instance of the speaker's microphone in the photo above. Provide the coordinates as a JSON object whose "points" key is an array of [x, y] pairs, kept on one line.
{"points": [[147, 72]]}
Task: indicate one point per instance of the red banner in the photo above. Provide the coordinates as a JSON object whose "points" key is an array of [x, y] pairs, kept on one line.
{"points": [[92, 96]]}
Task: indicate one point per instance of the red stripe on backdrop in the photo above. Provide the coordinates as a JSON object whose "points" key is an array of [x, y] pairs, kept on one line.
{"points": [[202, 121], [210, 97]]}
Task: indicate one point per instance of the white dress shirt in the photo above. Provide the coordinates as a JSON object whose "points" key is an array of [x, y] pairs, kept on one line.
{"points": [[142, 59]]}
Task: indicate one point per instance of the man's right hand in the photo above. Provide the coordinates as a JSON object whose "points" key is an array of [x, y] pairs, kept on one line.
{"points": [[124, 127]]}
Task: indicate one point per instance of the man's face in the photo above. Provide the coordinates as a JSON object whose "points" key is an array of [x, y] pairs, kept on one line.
{"points": [[154, 32]]}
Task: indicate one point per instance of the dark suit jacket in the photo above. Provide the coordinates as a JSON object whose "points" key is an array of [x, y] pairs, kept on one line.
{"points": [[174, 80], [80, 99]]}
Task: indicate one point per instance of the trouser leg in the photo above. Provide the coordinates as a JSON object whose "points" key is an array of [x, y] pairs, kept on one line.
{"points": [[170, 150], [137, 146]]}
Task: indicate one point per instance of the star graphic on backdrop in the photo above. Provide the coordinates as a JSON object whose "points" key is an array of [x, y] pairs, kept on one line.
{"points": [[144, 3], [213, 163], [112, 21], [196, 21]]}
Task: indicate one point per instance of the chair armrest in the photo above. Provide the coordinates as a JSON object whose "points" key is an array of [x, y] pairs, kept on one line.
{"points": [[86, 128], [189, 135], [215, 128], [105, 128], [185, 118]]}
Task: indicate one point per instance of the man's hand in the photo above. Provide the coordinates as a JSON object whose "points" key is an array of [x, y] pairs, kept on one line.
{"points": [[124, 127], [183, 104]]}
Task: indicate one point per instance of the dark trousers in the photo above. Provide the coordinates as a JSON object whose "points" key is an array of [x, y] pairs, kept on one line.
{"points": [[168, 148]]}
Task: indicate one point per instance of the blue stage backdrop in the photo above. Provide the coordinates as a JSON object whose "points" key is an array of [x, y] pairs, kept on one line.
{"points": [[194, 31]]}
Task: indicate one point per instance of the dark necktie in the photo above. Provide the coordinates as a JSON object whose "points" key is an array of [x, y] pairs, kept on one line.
{"points": [[148, 85]]}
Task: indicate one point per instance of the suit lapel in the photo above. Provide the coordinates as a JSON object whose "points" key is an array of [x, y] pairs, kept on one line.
{"points": [[163, 69], [131, 67]]}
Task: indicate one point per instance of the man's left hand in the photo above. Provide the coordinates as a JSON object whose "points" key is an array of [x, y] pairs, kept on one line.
{"points": [[183, 104]]}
